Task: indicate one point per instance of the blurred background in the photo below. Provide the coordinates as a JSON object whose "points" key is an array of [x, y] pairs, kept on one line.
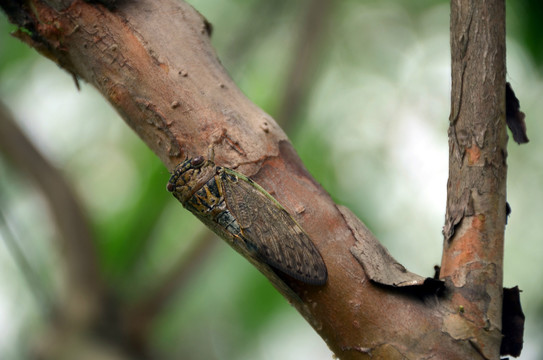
{"points": [[363, 90]]}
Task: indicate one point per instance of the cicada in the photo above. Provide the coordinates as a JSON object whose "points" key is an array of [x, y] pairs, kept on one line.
{"points": [[242, 212]]}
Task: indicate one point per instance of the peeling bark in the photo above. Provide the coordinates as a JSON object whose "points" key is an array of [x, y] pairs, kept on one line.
{"points": [[514, 117], [377, 262], [475, 218]]}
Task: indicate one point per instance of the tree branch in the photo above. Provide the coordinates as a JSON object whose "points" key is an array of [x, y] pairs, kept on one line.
{"points": [[75, 240], [138, 317], [472, 261], [305, 62], [79, 306]]}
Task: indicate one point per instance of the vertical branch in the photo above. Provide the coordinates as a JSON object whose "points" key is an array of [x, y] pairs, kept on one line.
{"points": [[475, 218]]}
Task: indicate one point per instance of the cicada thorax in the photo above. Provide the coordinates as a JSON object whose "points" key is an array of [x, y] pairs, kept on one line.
{"points": [[189, 177], [208, 201]]}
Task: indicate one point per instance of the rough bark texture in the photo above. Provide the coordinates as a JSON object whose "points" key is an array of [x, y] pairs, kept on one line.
{"points": [[472, 261], [153, 61]]}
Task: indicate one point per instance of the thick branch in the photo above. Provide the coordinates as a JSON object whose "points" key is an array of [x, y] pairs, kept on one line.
{"points": [[475, 220]]}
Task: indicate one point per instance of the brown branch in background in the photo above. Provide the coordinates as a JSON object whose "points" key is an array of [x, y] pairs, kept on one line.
{"points": [[139, 317], [305, 61], [264, 15], [472, 263], [75, 240], [41, 294]]}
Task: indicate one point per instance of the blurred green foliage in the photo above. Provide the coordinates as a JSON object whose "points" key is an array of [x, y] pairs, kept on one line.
{"points": [[525, 23], [371, 127]]}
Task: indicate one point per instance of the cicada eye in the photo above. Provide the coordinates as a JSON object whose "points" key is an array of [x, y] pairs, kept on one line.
{"points": [[170, 187], [197, 161]]}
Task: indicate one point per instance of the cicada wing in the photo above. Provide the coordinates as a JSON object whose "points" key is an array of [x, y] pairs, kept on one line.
{"points": [[271, 231]]}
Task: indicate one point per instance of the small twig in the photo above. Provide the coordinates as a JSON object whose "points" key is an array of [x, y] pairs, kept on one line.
{"points": [[40, 293], [140, 316], [76, 244], [305, 61]]}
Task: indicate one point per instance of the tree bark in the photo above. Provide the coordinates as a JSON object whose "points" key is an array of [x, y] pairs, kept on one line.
{"points": [[154, 63], [472, 262]]}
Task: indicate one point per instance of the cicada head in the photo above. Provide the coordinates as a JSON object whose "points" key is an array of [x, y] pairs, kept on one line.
{"points": [[189, 176]]}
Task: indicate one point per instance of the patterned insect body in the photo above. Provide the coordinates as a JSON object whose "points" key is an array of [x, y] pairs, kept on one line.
{"points": [[239, 210]]}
